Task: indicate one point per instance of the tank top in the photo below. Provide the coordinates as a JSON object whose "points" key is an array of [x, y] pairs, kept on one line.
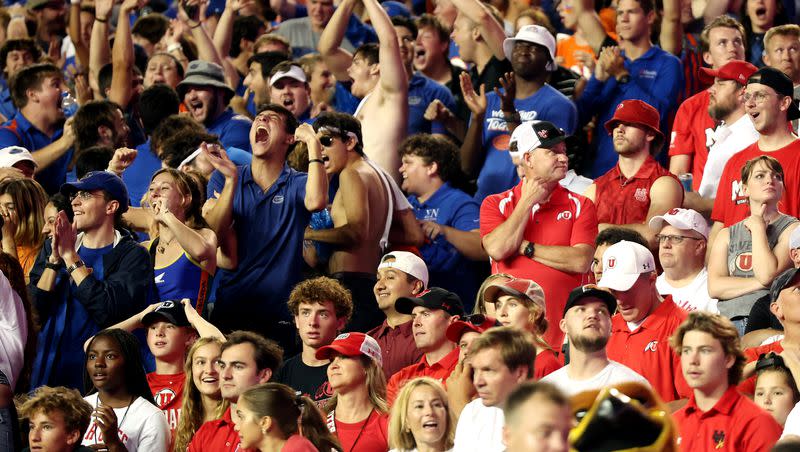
{"points": [[181, 278], [740, 263]]}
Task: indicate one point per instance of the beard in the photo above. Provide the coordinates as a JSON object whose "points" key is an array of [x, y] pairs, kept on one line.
{"points": [[719, 111], [588, 344]]}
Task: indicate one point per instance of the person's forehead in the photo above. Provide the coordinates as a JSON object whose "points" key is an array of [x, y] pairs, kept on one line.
{"points": [[721, 32], [324, 305], [239, 352], [783, 40], [700, 338], [590, 301], [754, 87]]}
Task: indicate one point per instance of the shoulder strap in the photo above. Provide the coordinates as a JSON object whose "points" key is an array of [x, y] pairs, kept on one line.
{"points": [[152, 251]]}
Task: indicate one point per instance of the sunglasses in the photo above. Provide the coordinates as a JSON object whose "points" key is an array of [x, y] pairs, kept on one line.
{"points": [[326, 140]]}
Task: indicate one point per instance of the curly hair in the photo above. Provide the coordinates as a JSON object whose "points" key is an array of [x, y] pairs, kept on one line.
{"points": [[76, 411], [432, 149], [318, 291]]}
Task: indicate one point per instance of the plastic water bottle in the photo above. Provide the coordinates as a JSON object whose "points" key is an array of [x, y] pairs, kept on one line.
{"points": [[69, 105]]}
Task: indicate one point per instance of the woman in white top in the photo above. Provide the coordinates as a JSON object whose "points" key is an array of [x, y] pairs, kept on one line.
{"points": [[421, 418], [125, 417]]}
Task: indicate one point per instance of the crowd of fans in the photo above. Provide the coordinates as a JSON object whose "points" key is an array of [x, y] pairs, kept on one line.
{"points": [[366, 226]]}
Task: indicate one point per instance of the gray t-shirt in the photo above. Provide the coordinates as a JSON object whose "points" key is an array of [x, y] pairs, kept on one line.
{"points": [[303, 39]]}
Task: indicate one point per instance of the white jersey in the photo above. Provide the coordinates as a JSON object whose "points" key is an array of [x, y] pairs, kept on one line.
{"points": [[480, 428], [141, 427], [612, 374], [692, 297]]}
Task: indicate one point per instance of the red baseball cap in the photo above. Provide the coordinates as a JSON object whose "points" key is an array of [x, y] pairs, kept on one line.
{"points": [[352, 344], [639, 113], [736, 70], [476, 322]]}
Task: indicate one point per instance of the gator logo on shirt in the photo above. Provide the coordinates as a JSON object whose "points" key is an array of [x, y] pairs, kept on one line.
{"points": [[651, 346], [719, 439], [744, 262]]}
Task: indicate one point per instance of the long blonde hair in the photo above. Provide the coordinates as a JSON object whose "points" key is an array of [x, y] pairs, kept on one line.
{"points": [[192, 416], [376, 387], [30, 200], [400, 436]]}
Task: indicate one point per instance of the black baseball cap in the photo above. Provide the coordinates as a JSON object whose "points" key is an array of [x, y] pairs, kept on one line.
{"points": [[532, 135], [782, 85], [433, 298], [781, 282], [587, 291], [172, 311]]}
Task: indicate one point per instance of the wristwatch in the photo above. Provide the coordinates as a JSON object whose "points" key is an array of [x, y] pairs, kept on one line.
{"points": [[529, 250], [75, 266]]}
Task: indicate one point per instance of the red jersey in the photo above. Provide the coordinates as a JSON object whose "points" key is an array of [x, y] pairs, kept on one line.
{"points": [[546, 363], [217, 436], [647, 352], [168, 393], [369, 435], [734, 423], [567, 219], [751, 354], [731, 206], [692, 134], [627, 201], [439, 370]]}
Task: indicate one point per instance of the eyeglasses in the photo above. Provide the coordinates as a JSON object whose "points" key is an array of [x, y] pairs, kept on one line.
{"points": [[326, 140], [674, 239], [84, 195], [758, 97]]}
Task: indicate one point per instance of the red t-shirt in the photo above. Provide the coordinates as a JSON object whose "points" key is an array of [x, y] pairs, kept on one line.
{"points": [[735, 423], [168, 393], [692, 132], [298, 443], [567, 219], [647, 352], [371, 435], [731, 206], [439, 370], [545, 363], [751, 354], [627, 201], [216, 436]]}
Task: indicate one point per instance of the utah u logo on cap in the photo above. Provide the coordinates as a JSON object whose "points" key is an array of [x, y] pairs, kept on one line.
{"points": [[673, 211], [612, 262]]}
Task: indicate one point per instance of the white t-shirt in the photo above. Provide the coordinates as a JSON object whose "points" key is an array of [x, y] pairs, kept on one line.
{"points": [[143, 428], [612, 374], [480, 428], [13, 332], [792, 425], [692, 297], [728, 140]]}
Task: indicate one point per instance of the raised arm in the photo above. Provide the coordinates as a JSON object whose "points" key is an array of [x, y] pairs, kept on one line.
{"points": [[472, 152], [393, 78], [491, 30], [336, 58], [317, 184], [671, 37], [223, 33], [589, 23], [75, 35], [122, 56], [205, 46], [220, 216], [99, 49]]}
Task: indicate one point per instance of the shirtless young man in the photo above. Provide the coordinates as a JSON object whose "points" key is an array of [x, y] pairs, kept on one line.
{"points": [[383, 87], [360, 212]]}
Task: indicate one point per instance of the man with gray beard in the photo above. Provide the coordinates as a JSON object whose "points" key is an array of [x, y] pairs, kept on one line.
{"points": [[587, 324]]}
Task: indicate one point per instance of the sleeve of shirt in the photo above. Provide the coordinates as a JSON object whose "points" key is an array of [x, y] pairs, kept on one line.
{"points": [[584, 230], [490, 215], [467, 217], [596, 95], [298, 187], [748, 386], [723, 198], [682, 140], [155, 433], [393, 387], [446, 97], [10, 138]]}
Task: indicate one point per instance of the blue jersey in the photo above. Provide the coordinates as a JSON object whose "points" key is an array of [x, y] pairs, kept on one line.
{"points": [[233, 130], [547, 104], [20, 132], [447, 267], [655, 77], [181, 278], [421, 92]]}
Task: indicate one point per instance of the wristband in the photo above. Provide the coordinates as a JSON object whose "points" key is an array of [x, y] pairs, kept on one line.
{"points": [[51, 266], [75, 266], [174, 46], [316, 161], [102, 21], [195, 26]]}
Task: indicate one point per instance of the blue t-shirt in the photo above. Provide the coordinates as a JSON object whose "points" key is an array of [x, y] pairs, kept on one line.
{"points": [[547, 104], [269, 228], [656, 78], [343, 100], [20, 132], [446, 266], [137, 176], [421, 92], [7, 107], [233, 130]]}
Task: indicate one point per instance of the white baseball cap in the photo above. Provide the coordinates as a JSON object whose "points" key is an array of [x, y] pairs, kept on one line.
{"points": [[623, 262], [11, 155], [536, 34], [682, 219], [531, 135], [294, 72], [408, 263], [794, 239]]}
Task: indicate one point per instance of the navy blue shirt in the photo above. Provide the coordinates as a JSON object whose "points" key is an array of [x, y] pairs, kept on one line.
{"points": [[7, 107], [269, 228], [421, 92], [20, 132], [233, 130], [447, 267]]}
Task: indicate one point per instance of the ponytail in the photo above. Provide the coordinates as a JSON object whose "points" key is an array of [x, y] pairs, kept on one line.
{"points": [[313, 427]]}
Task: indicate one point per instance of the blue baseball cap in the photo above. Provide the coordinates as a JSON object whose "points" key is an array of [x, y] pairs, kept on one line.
{"points": [[100, 180]]}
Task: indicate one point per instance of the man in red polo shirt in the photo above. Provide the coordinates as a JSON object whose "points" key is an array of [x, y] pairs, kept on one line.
{"points": [[247, 360], [769, 103], [433, 311], [717, 417], [539, 230], [644, 321], [637, 188]]}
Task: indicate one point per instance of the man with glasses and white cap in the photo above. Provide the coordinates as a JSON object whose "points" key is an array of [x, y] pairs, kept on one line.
{"points": [[532, 56], [289, 88], [682, 236], [539, 230], [16, 161], [400, 274], [644, 322]]}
